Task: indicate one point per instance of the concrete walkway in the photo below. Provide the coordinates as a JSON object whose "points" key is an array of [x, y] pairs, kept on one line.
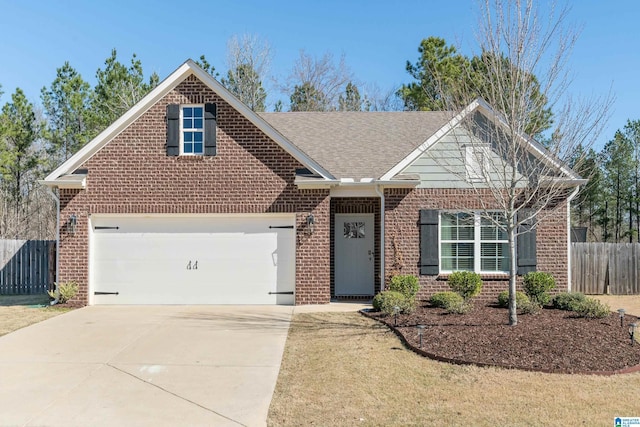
{"points": [[144, 366]]}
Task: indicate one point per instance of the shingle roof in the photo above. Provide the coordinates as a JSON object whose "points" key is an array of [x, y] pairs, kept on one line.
{"points": [[357, 144]]}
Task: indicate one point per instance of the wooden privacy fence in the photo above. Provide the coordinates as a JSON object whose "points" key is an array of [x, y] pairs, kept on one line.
{"points": [[28, 266], [605, 268]]}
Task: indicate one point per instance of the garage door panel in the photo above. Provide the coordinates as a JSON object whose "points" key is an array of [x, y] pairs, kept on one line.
{"points": [[193, 261]]}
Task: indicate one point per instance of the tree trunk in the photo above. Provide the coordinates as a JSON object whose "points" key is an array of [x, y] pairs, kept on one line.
{"points": [[513, 271]]}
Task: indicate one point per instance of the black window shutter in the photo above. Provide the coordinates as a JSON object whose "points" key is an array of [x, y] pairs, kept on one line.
{"points": [[210, 129], [526, 248], [173, 130], [429, 247]]}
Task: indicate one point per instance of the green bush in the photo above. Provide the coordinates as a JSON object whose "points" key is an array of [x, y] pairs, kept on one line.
{"points": [[445, 299], [521, 299], [529, 307], [591, 308], [568, 300], [537, 285], [466, 283], [407, 285], [450, 301], [64, 291], [386, 302]]}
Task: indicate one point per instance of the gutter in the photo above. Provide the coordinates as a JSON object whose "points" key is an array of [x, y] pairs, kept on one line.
{"points": [[569, 199], [380, 192]]}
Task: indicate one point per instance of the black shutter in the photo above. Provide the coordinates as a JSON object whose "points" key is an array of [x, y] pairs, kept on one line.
{"points": [[173, 130], [209, 129], [526, 248], [429, 247]]}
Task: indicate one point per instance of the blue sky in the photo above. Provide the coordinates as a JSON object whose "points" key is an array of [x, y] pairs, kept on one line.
{"points": [[376, 37]]}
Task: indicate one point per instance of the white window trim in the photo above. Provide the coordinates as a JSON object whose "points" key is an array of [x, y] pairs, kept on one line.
{"points": [[477, 162], [182, 107], [477, 244]]}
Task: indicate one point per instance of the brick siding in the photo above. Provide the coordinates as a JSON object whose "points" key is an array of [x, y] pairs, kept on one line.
{"points": [[402, 211], [250, 174]]}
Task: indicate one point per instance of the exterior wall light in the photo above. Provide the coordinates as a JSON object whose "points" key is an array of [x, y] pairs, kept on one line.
{"points": [[632, 333], [73, 222], [621, 312], [311, 221]]}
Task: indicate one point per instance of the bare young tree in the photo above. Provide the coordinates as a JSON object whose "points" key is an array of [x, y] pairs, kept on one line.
{"points": [[315, 84], [517, 181], [248, 59]]}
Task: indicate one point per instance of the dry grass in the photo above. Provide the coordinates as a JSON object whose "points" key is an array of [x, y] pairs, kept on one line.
{"points": [[344, 369], [23, 310]]}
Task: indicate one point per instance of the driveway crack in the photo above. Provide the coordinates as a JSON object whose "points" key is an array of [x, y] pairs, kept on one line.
{"points": [[175, 395]]}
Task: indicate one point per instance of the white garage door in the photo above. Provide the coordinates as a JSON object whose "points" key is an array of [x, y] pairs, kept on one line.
{"points": [[192, 260]]}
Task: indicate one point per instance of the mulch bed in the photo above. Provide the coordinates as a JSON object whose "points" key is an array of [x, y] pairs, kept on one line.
{"points": [[551, 341]]}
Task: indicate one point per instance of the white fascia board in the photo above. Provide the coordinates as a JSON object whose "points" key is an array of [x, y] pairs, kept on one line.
{"points": [[86, 152], [173, 80], [535, 148], [259, 122], [315, 184], [399, 167], [67, 181]]}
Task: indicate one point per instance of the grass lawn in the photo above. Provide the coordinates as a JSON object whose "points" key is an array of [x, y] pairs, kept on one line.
{"points": [[344, 369], [18, 311]]}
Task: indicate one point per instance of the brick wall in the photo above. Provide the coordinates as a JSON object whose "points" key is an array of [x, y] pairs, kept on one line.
{"points": [[249, 174], [402, 211]]}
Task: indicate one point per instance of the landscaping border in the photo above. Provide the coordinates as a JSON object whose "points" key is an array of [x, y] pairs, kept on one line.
{"points": [[366, 312]]}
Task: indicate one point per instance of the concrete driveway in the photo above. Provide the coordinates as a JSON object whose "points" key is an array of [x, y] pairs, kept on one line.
{"points": [[144, 366]]}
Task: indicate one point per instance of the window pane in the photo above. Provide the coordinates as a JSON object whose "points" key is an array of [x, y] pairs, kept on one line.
{"points": [[186, 123], [489, 265], [448, 219], [447, 249], [465, 264], [465, 233], [465, 249], [187, 112], [197, 123], [197, 111], [197, 136], [197, 148], [188, 147], [188, 136], [448, 233]]}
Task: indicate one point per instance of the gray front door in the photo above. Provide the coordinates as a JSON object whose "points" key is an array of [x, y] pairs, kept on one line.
{"points": [[354, 254]]}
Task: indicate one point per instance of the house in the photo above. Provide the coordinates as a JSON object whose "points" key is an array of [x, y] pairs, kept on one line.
{"points": [[192, 198]]}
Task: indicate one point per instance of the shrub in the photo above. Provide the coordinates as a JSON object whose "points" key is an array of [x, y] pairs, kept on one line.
{"points": [[450, 301], [521, 299], [64, 291], [386, 302], [529, 307], [591, 308], [537, 285], [445, 299], [568, 300], [407, 285], [466, 283]]}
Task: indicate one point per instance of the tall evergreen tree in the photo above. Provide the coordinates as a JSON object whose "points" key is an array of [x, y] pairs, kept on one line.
{"points": [[118, 89], [19, 159], [618, 166], [245, 83], [350, 100], [67, 104], [308, 98]]}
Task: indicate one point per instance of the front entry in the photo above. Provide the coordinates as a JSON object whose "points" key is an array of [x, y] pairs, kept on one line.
{"points": [[354, 254]]}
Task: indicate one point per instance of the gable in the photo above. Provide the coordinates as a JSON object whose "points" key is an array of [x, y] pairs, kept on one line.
{"points": [[458, 160], [470, 128], [187, 70]]}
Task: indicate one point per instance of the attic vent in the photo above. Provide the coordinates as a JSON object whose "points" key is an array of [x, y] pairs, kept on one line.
{"points": [[305, 172]]}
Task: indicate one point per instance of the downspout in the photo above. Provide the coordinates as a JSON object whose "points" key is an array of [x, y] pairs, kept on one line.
{"points": [[57, 199], [380, 192], [569, 199]]}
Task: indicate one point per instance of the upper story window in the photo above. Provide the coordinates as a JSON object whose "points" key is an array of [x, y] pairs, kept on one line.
{"points": [[192, 136], [191, 129]]}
